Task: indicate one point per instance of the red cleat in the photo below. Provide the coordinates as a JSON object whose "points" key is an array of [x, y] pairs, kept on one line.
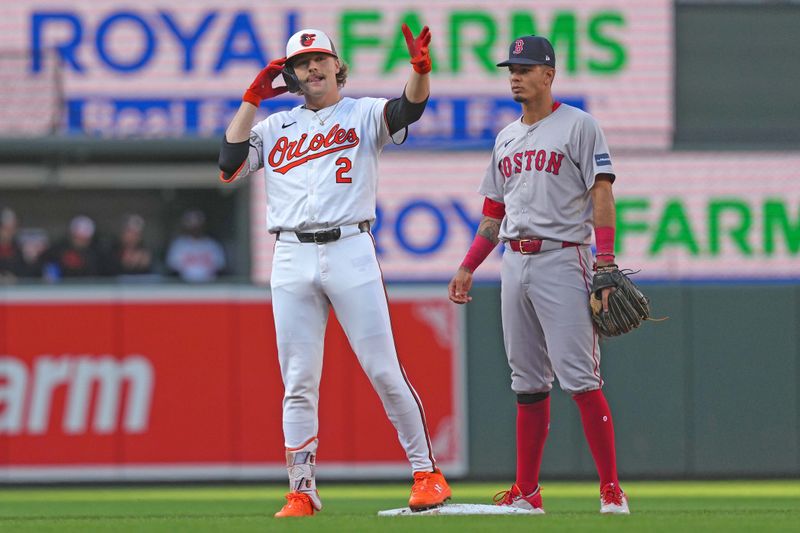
{"points": [[514, 498], [613, 500]]}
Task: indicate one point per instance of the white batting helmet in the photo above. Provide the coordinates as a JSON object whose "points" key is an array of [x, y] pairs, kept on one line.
{"points": [[309, 40]]}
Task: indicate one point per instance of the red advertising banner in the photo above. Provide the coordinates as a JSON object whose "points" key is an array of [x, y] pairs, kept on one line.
{"points": [[184, 384]]}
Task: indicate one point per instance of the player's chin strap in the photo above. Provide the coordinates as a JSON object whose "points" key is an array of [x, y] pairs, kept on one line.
{"points": [[301, 463]]}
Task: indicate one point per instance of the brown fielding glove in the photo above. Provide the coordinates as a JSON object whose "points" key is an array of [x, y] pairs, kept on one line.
{"points": [[628, 307], [261, 88], [418, 48]]}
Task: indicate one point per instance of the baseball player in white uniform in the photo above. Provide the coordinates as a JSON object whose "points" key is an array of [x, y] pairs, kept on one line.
{"points": [[321, 169], [547, 187]]}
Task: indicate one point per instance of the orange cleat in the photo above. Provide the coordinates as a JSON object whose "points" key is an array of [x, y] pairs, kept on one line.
{"points": [[430, 490], [297, 504]]}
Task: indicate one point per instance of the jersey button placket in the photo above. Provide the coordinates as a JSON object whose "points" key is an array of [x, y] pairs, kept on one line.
{"points": [[311, 191], [312, 198], [525, 192], [311, 183], [322, 249]]}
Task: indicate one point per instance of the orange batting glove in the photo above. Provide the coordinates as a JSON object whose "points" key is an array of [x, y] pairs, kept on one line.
{"points": [[261, 88], [418, 48]]}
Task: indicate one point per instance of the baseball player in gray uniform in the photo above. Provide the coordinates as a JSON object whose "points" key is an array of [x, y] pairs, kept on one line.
{"points": [[320, 163], [547, 187]]}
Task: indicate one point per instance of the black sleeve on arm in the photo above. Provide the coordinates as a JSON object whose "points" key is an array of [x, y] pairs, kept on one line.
{"points": [[400, 113], [232, 155]]}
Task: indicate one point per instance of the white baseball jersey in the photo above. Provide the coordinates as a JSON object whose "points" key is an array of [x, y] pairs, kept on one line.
{"points": [[321, 171], [321, 168], [543, 174]]}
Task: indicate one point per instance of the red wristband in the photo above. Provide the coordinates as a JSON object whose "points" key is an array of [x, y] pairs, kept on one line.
{"points": [[479, 250], [494, 209], [251, 98], [604, 238]]}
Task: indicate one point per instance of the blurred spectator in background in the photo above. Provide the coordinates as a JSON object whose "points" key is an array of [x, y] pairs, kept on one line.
{"points": [[77, 255], [129, 256], [34, 242], [194, 256], [12, 263]]}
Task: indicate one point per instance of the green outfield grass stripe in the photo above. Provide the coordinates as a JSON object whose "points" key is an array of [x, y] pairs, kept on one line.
{"points": [[657, 507], [471, 491]]}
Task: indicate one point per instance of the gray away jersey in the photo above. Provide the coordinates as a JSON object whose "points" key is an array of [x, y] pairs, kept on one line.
{"points": [[543, 174]]}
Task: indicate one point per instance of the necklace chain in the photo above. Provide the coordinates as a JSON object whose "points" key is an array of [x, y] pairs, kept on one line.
{"points": [[321, 120]]}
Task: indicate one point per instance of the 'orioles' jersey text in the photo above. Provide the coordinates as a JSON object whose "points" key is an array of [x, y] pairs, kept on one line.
{"points": [[321, 168]]}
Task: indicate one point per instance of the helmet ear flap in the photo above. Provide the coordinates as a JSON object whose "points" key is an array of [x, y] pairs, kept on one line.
{"points": [[292, 83]]}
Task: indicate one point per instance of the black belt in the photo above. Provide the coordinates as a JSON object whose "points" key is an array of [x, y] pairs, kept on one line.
{"points": [[326, 235]]}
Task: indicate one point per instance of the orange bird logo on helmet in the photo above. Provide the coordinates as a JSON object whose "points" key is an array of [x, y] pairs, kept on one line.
{"points": [[307, 39]]}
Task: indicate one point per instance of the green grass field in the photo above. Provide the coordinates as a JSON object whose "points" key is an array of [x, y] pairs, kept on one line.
{"points": [[655, 506]]}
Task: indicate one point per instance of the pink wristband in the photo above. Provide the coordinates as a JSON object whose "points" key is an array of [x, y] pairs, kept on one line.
{"points": [[604, 237], [479, 250]]}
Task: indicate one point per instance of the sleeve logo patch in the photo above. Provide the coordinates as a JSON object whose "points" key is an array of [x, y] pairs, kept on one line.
{"points": [[602, 159]]}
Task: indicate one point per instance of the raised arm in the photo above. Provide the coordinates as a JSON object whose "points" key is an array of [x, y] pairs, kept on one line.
{"points": [[418, 87], [235, 144], [239, 128], [400, 112]]}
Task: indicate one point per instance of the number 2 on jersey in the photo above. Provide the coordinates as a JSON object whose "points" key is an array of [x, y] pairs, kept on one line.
{"points": [[344, 165]]}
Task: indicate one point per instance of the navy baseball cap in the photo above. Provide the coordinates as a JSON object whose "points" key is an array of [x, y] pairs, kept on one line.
{"points": [[530, 50]]}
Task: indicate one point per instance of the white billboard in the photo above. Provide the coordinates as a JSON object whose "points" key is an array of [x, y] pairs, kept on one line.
{"points": [[157, 68], [680, 215]]}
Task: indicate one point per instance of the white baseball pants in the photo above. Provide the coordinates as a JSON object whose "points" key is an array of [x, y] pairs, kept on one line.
{"points": [[307, 278]]}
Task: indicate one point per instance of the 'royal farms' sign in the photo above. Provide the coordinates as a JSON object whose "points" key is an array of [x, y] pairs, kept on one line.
{"points": [[156, 68], [584, 43], [680, 216], [726, 226]]}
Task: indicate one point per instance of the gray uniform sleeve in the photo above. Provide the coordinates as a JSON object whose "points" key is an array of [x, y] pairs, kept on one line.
{"points": [[593, 153], [493, 182]]}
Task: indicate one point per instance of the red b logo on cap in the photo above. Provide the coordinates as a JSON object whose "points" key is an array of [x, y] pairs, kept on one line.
{"points": [[307, 38], [518, 44]]}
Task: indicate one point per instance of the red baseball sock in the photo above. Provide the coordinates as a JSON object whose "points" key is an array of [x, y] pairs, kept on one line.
{"points": [[533, 423], [599, 430]]}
